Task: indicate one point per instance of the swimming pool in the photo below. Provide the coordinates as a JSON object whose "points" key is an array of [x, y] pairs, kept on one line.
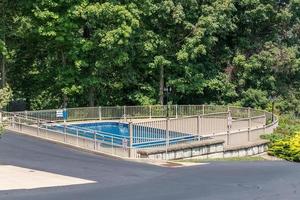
{"points": [[117, 133], [114, 128]]}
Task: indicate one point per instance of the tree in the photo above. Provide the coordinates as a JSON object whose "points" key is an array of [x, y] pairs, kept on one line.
{"points": [[5, 96], [87, 52]]}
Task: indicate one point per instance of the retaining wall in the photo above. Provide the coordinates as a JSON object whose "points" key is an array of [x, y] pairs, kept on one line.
{"points": [[205, 150]]}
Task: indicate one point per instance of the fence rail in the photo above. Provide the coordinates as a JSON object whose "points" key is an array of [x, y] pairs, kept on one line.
{"points": [[147, 126], [133, 112]]}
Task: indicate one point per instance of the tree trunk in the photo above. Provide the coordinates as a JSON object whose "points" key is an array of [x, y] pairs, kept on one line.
{"points": [[92, 97], [64, 64], [161, 85]]}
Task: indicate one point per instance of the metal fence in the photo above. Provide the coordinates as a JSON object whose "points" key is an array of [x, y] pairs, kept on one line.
{"points": [[147, 126], [133, 112]]}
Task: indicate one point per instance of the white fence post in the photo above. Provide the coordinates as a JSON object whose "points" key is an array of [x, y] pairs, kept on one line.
{"points": [[65, 115], [95, 140], [201, 125], [229, 124], [19, 121], [38, 127], [176, 111], [167, 137], [203, 109], [150, 111], [77, 135], [249, 112], [46, 127], [65, 133], [130, 139], [198, 126], [112, 145], [100, 113], [124, 112], [249, 129], [14, 121]]}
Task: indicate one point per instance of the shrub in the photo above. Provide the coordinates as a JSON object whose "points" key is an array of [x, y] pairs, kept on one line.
{"points": [[5, 96], [287, 148], [288, 126], [285, 141], [254, 98], [295, 147]]}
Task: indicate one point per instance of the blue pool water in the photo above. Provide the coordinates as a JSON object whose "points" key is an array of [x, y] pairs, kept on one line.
{"points": [[114, 128], [116, 133]]}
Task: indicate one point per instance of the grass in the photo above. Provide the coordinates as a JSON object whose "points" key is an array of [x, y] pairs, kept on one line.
{"points": [[247, 158]]}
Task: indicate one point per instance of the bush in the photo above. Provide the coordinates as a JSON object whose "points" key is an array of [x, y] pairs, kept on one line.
{"points": [[5, 96], [295, 147], [285, 141], [254, 98], [287, 148], [288, 126]]}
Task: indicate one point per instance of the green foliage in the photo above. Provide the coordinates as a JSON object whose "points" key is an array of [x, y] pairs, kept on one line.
{"points": [[110, 52], [221, 90], [287, 148], [254, 98], [3, 49], [5, 96], [285, 141], [288, 125], [44, 100], [1, 130]]}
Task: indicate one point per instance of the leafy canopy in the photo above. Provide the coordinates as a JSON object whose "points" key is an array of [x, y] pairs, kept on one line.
{"points": [[87, 52]]}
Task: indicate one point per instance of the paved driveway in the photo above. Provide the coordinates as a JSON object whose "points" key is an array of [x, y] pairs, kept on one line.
{"points": [[119, 179]]}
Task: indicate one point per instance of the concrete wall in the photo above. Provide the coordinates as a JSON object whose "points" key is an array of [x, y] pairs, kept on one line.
{"points": [[194, 149], [206, 151], [243, 151]]}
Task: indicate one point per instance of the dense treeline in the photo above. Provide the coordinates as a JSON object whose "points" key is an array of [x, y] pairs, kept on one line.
{"points": [[117, 52]]}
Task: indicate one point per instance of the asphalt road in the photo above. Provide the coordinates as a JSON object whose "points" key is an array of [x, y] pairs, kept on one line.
{"points": [[119, 179]]}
